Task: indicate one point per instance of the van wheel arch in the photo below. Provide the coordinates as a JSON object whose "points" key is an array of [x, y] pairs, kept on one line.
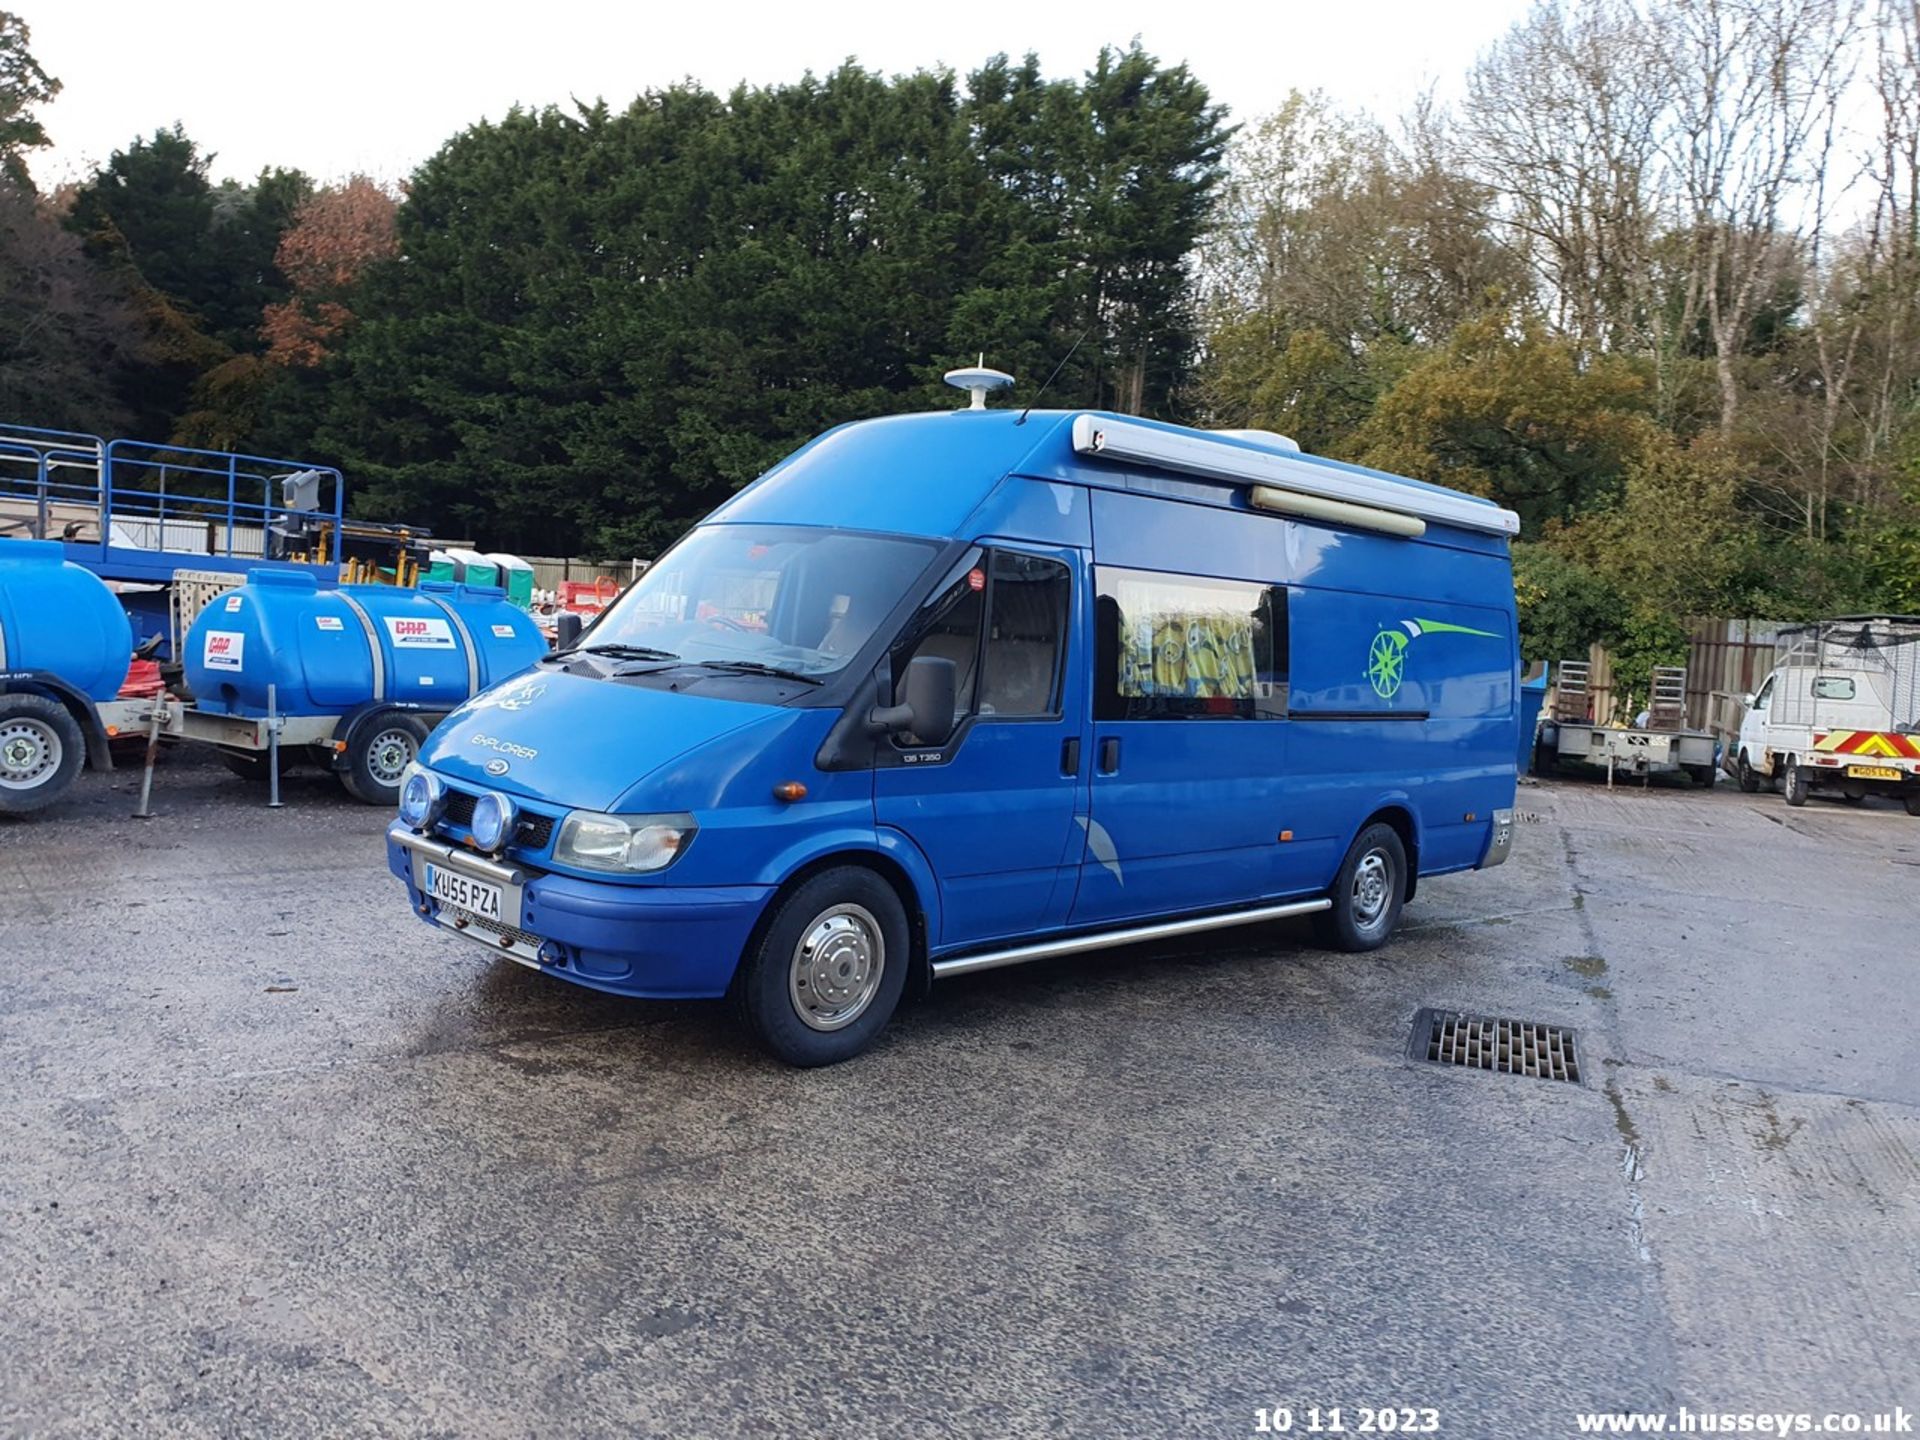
{"points": [[1401, 821], [919, 970]]}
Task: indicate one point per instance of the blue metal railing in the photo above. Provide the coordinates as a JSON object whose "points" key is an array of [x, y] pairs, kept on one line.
{"points": [[148, 502], [30, 460]]}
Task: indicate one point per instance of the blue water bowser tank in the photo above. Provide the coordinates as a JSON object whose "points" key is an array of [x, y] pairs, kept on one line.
{"points": [[57, 617], [328, 651]]}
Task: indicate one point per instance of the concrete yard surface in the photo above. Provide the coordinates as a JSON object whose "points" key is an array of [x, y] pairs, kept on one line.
{"points": [[278, 1159]]}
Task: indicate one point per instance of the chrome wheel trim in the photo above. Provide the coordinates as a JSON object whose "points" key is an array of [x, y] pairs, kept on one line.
{"points": [[389, 755], [30, 753], [1372, 888], [836, 968]]}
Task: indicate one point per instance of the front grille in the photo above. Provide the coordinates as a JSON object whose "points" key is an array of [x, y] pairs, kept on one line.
{"points": [[1508, 1047], [534, 832]]}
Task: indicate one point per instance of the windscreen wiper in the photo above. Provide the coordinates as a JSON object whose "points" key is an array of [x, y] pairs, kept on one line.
{"points": [[755, 667], [621, 652]]}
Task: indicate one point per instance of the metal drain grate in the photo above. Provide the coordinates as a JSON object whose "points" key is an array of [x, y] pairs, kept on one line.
{"points": [[1511, 1047]]}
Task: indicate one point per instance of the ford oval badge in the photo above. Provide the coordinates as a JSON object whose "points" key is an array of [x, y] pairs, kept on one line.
{"points": [[497, 767]]}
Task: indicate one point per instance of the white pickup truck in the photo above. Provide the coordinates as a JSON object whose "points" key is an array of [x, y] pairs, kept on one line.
{"points": [[1840, 712]]}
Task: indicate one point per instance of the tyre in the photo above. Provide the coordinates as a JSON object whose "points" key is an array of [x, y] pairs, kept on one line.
{"points": [[378, 753], [1367, 893], [1912, 802], [824, 973], [41, 751], [1702, 775], [1748, 778], [1545, 758], [1796, 786], [1854, 797]]}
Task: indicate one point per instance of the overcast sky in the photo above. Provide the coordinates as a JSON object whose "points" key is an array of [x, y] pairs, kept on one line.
{"points": [[334, 88]]}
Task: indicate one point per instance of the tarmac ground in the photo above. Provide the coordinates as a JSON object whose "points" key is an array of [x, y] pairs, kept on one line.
{"points": [[278, 1159]]}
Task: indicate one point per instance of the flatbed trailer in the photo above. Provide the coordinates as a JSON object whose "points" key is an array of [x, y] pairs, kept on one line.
{"points": [[1663, 744], [367, 747]]}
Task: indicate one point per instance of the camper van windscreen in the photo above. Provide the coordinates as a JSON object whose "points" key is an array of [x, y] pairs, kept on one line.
{"points": [[796, 597]]}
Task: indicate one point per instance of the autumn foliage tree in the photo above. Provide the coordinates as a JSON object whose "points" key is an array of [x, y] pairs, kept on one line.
{"points": [[335, 236]]}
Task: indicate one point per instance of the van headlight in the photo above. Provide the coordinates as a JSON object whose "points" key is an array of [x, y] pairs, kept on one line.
{"points": [[623, 844], [423, 796]]}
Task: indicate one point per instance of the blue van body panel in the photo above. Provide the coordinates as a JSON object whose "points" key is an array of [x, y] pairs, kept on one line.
{"points": [[1015, 831], [904, 475]]}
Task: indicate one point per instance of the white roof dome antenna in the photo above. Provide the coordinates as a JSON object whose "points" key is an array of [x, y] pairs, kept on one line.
{"points": [[979, 382]]}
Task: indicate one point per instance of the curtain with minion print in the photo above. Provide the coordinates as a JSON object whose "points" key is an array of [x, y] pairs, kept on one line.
{"points": [[1195, 653]]}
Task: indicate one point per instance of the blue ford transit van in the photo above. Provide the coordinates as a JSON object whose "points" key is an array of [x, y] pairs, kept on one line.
{"points": [[949, 691]]}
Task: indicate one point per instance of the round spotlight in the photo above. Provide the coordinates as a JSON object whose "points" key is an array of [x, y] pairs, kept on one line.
{"points": [[494, 818], [423, 796]]}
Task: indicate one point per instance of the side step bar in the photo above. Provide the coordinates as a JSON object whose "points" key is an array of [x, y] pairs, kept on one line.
{"points": [[1133, 935]]}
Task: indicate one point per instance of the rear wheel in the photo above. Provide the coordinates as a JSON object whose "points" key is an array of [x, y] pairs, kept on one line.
{"points": [[41, 750], [825, 973], [1367, 893], [1748, 778], [1796, 786], [378, 754], [1913, 802]]}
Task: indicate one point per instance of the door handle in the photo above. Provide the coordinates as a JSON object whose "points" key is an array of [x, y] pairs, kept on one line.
{"points": [[1109, 755], [1070, 755]]}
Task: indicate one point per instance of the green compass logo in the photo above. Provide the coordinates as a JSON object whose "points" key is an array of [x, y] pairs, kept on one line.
{"points": [[1387, 655]]}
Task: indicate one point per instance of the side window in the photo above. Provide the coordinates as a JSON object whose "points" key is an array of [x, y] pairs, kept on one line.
{"points": [[1027, 621], [1833, 687], [1761, 700], [948, 626], [1179, 647]]}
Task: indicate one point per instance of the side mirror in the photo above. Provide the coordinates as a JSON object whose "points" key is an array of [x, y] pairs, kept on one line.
{"points": [[926, 695], [566, 630], [1747, 700]]}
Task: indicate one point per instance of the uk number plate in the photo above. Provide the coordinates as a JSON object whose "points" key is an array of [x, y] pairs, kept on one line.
{"points": [[476, 897], [1872, 772]]}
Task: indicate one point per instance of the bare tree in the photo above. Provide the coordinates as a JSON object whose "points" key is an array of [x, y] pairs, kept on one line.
{"points": [[1755, 88], [1562, 122]]}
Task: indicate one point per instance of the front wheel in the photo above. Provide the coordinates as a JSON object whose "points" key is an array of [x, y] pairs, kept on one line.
{"points": [[1367, 893], [1746, 775], [826, 971], [1796, 786], [41, 750]]}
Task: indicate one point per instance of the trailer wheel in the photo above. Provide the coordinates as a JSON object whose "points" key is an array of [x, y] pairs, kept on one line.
{"points": [[378, 754], [1796, 786], [41, 751], [1745, 774], [1702, 775], [1367, 893], [1546, 758]]}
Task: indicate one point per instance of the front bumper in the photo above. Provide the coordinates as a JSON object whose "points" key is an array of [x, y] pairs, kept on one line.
{"points": [[657, 942]]}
